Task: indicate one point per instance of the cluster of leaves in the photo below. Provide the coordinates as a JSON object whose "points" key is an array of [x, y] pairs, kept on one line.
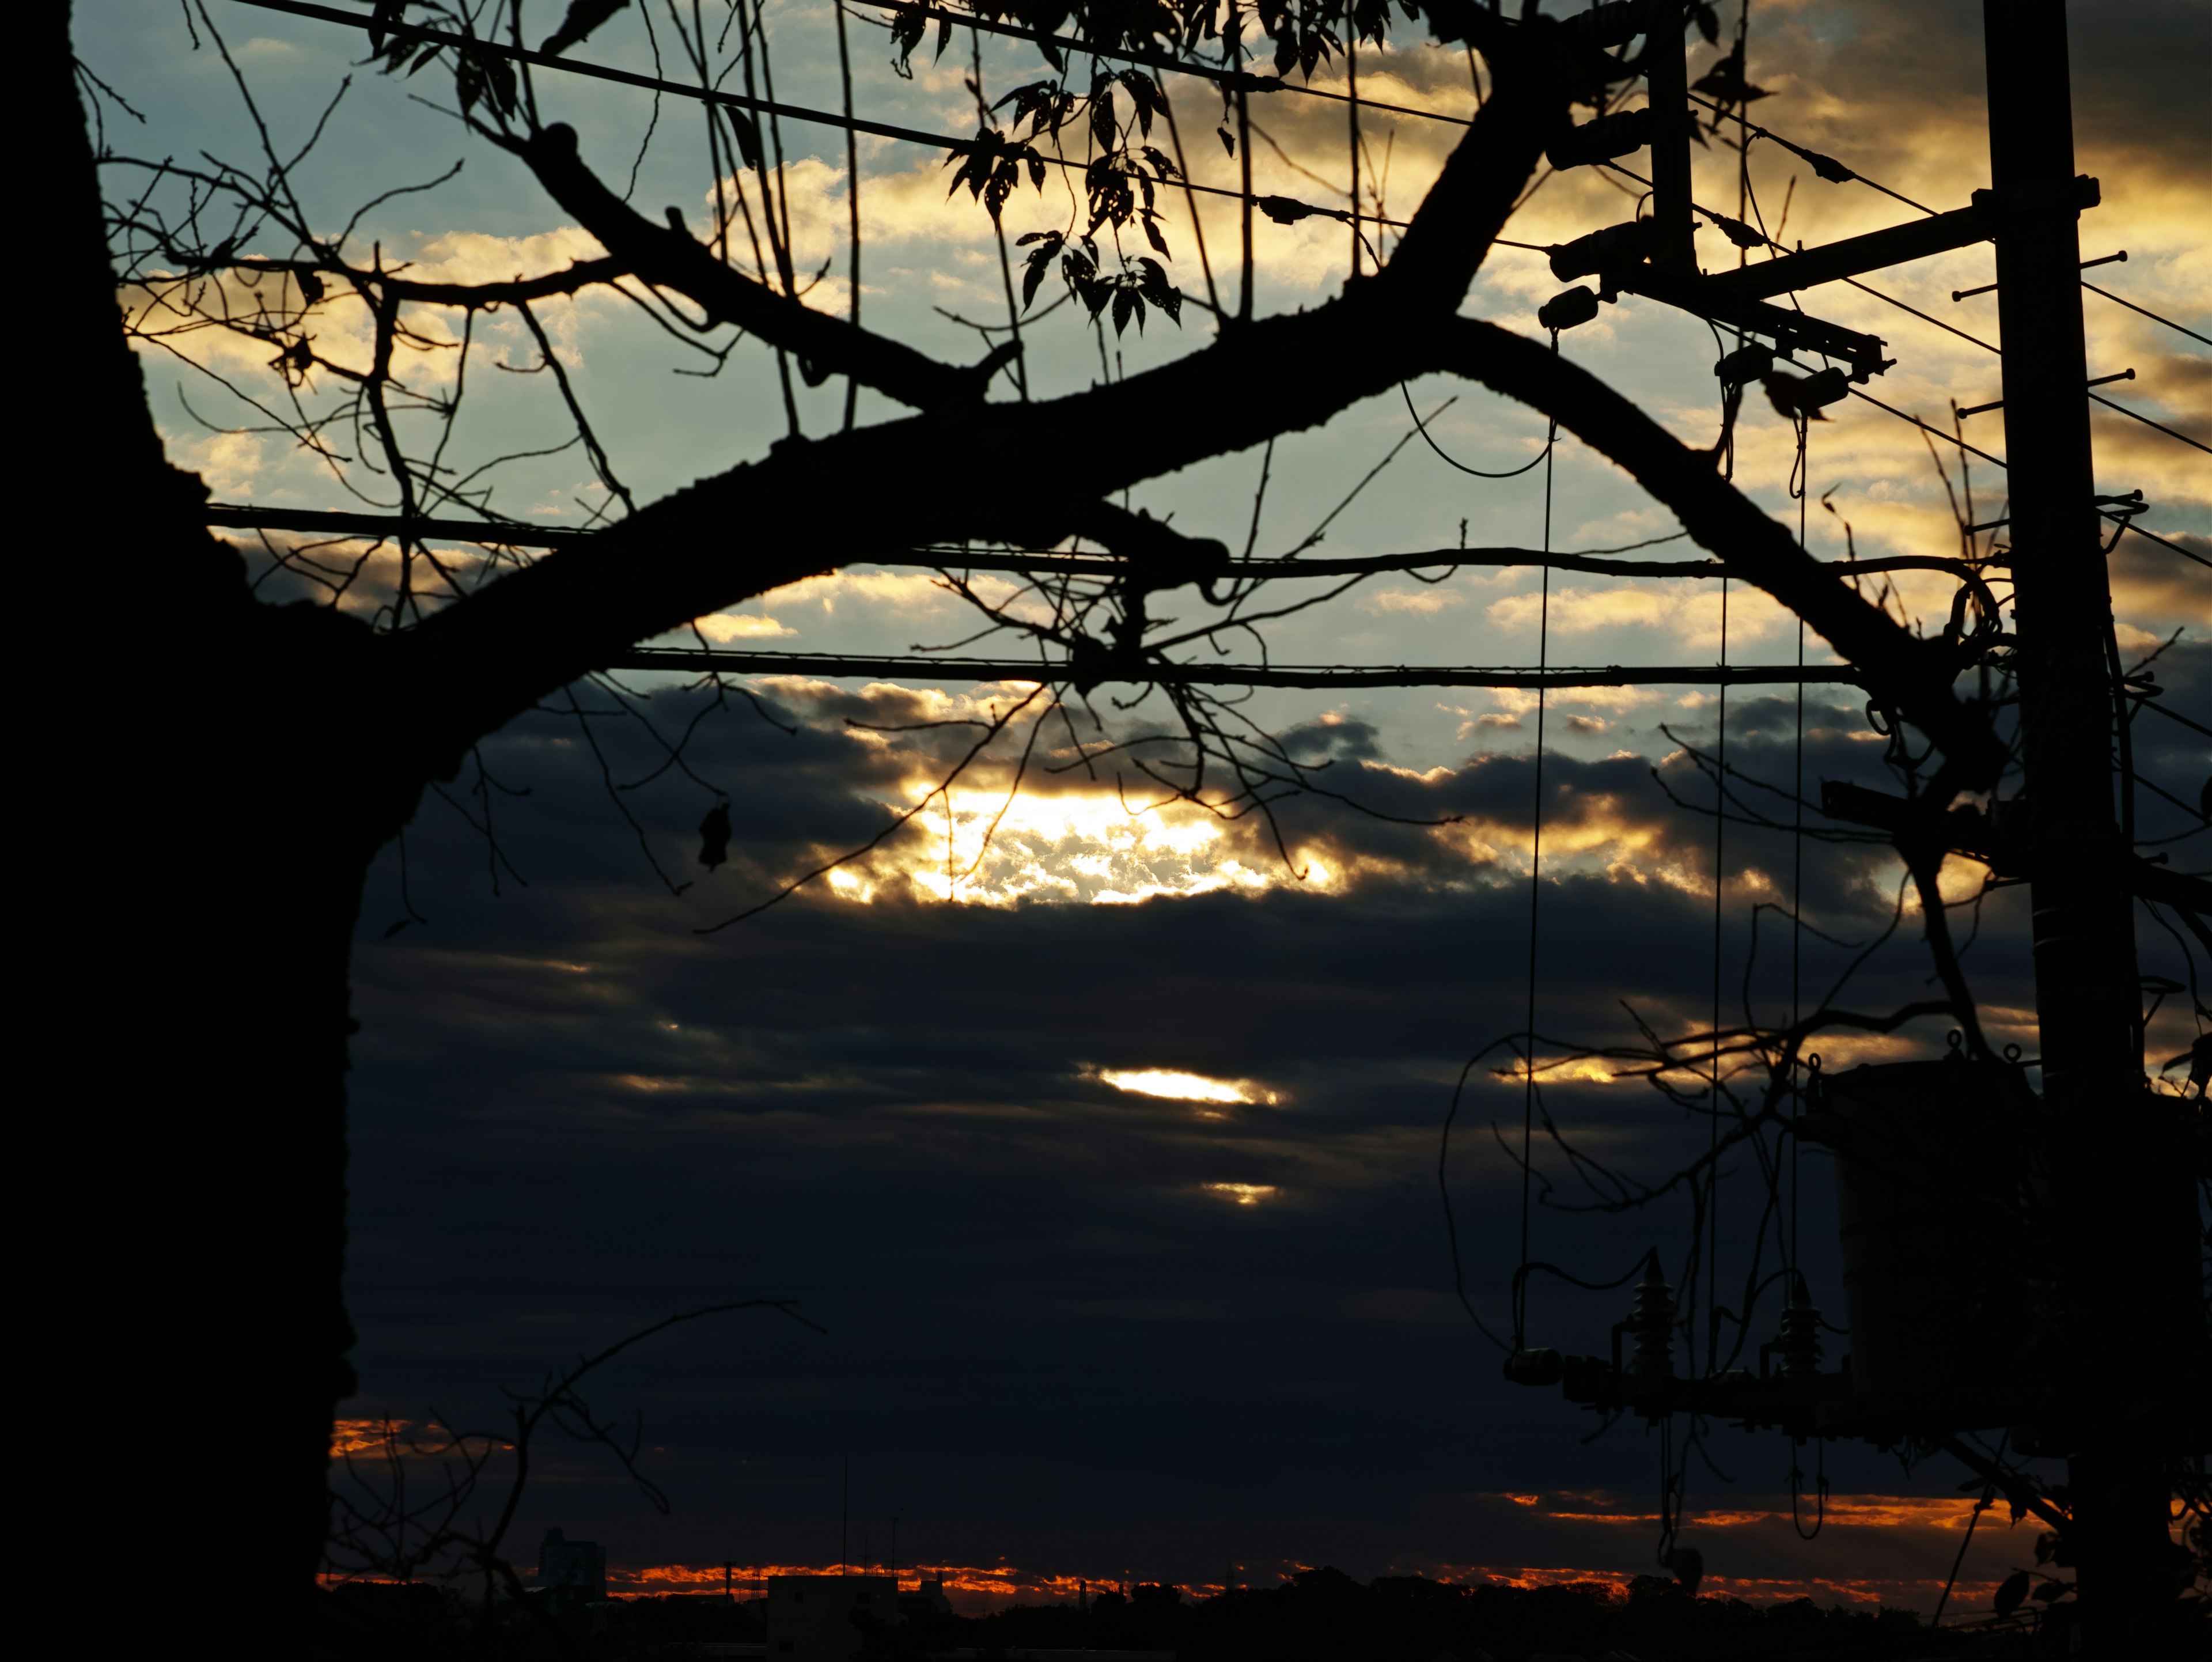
{"points": [[1109, 25], [1304, 33], [1302, 42], [1108, 181], [1047, 105], [992, 165], [2021, 1586], [1725, 85], [1121, 184], [1138, 283], [1117, 175], [483, 78]]}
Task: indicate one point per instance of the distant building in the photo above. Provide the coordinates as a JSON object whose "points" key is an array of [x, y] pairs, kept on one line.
{"points": [[574, 1572], [810, 1617], [928, 1600]]}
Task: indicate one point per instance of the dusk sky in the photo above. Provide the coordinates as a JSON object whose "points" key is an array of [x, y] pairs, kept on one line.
{"points": [[1108, 1161]]}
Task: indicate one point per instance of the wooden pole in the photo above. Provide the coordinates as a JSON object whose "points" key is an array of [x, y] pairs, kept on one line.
{"points": [[2114, 1331]]}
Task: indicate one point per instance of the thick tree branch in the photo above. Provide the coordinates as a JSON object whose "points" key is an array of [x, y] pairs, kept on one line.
{"points": [[669, 258], [1452, 231], [1913, 675], [581, 274], [478, 662]]}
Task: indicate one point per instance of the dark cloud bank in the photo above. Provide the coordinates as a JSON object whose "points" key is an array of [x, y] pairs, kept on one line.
{"points": [[1048, 1340]]}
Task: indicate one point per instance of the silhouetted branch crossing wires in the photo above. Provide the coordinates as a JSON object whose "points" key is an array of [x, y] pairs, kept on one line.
{"points": [[381, 1530], [757, 105]]}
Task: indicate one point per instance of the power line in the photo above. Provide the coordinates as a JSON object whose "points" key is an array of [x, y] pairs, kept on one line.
{"points": [[1892, 300], [702, 661], [769, 106], [2146, 311], [2125, 523], [2130, 525], [2192, 443], [1826, 165], [1948, 438], [1833, 170], [1243, 79], [504, 533]]}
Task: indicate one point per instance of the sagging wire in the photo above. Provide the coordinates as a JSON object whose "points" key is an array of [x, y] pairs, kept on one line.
{"points": [[1820, 1493]]}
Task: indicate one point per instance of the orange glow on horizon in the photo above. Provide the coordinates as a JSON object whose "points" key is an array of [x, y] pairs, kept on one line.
{"points": [[977, 1589]]}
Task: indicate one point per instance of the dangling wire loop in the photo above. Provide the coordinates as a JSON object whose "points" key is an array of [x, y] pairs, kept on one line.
{"points": [[1422, 428]]}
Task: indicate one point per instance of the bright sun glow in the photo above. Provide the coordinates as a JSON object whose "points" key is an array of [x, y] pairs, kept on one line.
{"points": [[1183, 1087], [1068, 847], [1244, 1194]]}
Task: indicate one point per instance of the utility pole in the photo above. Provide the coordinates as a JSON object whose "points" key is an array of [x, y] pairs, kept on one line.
{"points": [[2124, 1298], [1666, 78]]}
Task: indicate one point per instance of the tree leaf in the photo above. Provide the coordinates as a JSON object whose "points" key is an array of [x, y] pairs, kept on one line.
{"points": [[584, 17], [748, 135], [2012, 1592], [1104, 127]]}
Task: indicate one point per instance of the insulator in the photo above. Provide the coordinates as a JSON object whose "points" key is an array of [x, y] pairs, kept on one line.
{"points": [[1535, 1367], [1823, 387], [1565, 311], [1613, 24], [1744, 365], [1601, 140], [1799, 1341], [1616, 245], [1651, 1319]]}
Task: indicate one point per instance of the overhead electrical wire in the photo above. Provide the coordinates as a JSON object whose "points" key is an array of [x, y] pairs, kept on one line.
{"points": [[1826, 165], [2147, 312], [2193, 444], [758, 106], [1244, 79], [1241, 80], [1139, 672]]}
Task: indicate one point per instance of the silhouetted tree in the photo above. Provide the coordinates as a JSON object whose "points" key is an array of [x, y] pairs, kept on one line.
{"points": [[208, 776]]}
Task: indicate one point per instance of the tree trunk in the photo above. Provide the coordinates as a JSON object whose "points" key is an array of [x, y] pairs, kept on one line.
{"points": [[202, 798]]}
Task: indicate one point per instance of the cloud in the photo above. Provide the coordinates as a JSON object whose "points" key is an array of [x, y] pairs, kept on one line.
{"points": [[574, 1112], [1689, 615], [724, 627], [874, 1108], [1422, 602]]}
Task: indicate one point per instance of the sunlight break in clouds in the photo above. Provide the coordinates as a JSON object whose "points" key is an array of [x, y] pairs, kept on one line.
{"points": [[1079, 846], [1179, 1086], [1244, 1194]]}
